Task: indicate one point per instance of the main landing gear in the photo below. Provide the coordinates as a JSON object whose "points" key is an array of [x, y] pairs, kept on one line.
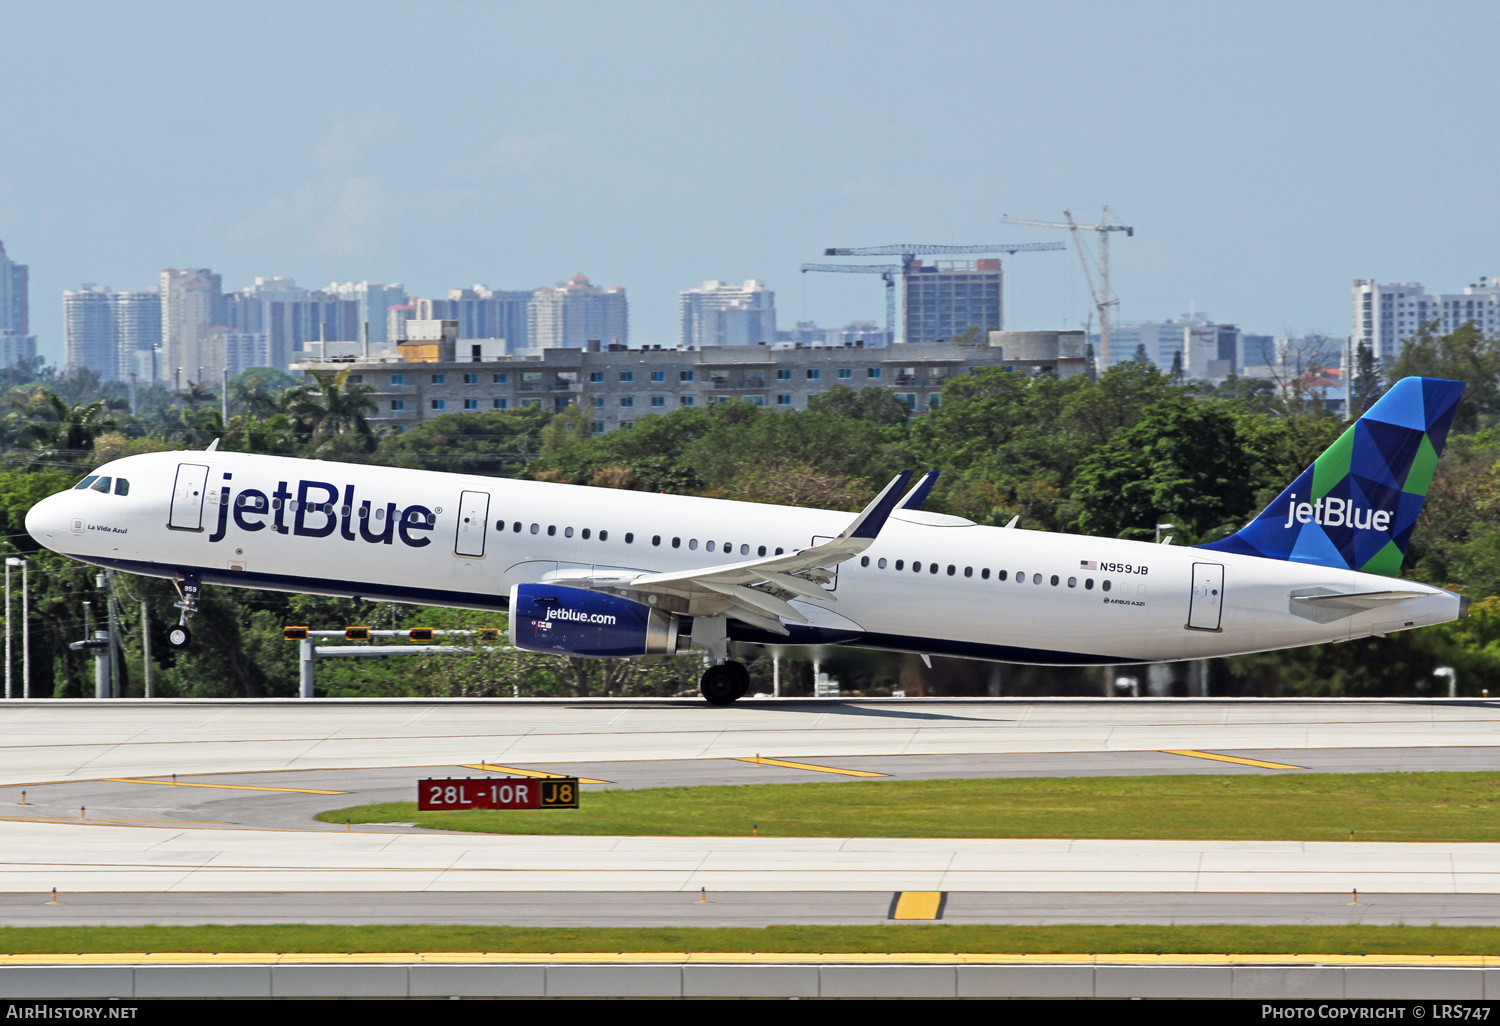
{"points": [[189, 589], [725, 682]]}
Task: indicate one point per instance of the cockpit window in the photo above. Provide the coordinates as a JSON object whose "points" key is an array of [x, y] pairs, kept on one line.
{"points": [[122, 486], [86, 482], [102, 485]]}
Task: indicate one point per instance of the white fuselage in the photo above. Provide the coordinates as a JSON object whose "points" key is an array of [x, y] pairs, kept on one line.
{"points": [[929, 583]]}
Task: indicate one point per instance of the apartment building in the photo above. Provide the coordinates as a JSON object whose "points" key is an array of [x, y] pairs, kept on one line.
{"points": [[617, 386], [718, 313], [1385, 316]]}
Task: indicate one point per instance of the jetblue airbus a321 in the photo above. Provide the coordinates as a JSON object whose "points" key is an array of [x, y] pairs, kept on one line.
{"points": [[614, 574]]}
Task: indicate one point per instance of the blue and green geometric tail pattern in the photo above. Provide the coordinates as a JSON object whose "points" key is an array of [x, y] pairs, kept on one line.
{"points": [[1355, 507]]}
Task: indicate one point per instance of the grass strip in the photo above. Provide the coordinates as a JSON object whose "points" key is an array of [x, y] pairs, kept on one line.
{"points": [[937, 937], [1436, 807]]}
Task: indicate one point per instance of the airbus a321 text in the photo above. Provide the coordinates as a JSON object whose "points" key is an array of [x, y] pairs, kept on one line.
{"points": [[615, 574]]}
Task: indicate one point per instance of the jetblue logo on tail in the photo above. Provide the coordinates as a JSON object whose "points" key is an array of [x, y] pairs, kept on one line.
{"points": [[1356, 506], [1332, 512]]}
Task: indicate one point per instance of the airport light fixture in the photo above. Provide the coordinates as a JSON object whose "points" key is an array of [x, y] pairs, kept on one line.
{"points": [[1447, 671], [11, 561], [1163, 527]]}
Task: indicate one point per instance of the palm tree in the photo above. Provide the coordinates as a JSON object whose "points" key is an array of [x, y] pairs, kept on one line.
{"points": [[327, 408], [56, 426]]}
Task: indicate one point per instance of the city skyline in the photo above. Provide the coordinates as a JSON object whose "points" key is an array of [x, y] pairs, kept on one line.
{"points": [[650, 148]]}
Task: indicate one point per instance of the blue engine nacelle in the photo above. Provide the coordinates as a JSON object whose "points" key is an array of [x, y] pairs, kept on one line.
{"points": [[572, 621]]}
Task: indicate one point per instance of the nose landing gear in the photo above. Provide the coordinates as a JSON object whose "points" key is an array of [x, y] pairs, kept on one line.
{"points": [[189, 588], [724, 683]]}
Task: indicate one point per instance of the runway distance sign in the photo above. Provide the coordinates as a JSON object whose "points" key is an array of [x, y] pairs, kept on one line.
{"points": [[497, 793]]}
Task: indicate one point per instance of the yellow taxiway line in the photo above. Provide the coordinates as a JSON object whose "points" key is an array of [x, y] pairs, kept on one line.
{"points": [[731, 957], [762, 761], [487, 768], [1190, 753], [224, 787]]}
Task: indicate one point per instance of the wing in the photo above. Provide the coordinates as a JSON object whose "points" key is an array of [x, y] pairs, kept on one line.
{"points": [[758, 591]]}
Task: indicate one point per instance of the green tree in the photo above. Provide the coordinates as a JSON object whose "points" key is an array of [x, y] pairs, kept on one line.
{"points": [[1464, 354], [876, 405], [1366, 386], [499, 443], [329, 413], [1179, 462]]}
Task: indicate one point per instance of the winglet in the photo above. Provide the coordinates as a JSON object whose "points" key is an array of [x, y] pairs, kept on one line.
{"points": [[873, 518], [918, 495]]}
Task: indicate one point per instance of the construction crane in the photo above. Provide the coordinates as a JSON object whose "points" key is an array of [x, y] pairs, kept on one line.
{"points": [[886, 271], [1102, 298], [908, 252]]}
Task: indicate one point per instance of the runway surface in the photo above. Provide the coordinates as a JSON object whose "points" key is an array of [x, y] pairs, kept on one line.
{"points": [[51, 740], [86, 857], [235, 840], [754, 909]]}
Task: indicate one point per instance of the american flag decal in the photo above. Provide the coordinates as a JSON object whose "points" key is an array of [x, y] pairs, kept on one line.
{"points": [[1087, 564]]}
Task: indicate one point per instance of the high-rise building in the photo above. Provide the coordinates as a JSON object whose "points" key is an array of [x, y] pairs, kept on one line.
{"points": [[952, 296], [717, 313], [113, 334], [374, 298], [192, 305], [137, 333], [576, 312], [481, 312], [1201, 347], [16, 349], [295, 317], [89, 338], [15, 312], [1385, 316], [866, 334]]}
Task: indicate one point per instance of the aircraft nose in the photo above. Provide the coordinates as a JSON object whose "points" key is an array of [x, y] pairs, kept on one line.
{"points": [[47, 521]]}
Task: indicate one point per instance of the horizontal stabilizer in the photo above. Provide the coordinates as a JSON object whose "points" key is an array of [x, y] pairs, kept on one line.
{"points": [[1361, 599]]}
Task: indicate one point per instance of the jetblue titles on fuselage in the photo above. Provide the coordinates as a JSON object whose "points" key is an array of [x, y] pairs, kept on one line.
{"points": [[315, 514]]}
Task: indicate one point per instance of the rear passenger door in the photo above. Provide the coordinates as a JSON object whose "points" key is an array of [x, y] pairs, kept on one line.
{"points": [[473, 520]]}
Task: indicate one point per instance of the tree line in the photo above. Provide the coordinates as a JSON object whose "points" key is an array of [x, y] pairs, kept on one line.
{"points": [[1113, 456]]}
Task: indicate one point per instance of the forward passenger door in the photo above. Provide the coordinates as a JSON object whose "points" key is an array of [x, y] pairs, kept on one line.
{"points": [[187, 497]]}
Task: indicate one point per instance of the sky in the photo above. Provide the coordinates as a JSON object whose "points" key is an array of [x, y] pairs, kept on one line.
{"points": [[1266, 154]]}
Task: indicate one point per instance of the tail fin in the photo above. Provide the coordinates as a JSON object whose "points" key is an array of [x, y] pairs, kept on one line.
{"points": [[1355, 507]]}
